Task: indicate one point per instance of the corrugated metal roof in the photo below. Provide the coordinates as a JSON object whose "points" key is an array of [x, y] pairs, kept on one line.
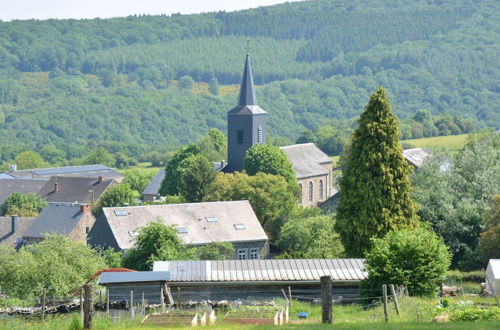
{"points": [[127, 277], [263, 270]]}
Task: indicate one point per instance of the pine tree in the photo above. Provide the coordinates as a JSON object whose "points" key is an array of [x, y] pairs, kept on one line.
{"points": [[375, 188]]}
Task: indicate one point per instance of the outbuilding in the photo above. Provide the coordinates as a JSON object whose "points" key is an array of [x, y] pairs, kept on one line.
{"points": [[493, 277]]}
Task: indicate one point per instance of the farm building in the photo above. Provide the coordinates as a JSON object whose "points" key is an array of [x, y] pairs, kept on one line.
{"points": [[197, 224], [83, 171], [493, 277], [147, 284], [152, 190]]}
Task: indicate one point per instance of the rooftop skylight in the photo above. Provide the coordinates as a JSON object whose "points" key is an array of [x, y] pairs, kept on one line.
{"points": [[120, 213], [211, 219], [239, 226]]}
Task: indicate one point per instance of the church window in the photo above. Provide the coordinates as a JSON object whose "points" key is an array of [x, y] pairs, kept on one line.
{"points": [[311, 191], [239, 136], [320, 190], [259, 135], [300, 186]]}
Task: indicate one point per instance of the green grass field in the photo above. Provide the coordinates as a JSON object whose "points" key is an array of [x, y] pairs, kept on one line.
{"points": [[452, 142]]}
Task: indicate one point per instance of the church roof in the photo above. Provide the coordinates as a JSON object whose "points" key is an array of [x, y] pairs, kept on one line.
{"points": [[247, 100], [307, 159]]}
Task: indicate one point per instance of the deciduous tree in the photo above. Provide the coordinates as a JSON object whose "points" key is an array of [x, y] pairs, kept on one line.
{"points": [[23, 205], [173, 169]]}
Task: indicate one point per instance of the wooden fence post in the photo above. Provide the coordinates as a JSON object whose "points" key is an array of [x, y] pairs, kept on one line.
{"points": [[107, 301], [384, 295], [81, 303], [326, 299], [43, 304], [131, 305], [88, 307], [394, 296]]}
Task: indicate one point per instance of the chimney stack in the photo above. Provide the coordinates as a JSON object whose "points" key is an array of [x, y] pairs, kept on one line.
{"points": [[13, 220], [85, 208], [100, 179], [56, 186]]}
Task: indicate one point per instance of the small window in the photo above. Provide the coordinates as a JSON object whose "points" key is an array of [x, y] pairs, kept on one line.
{"points": [[239, 136], [133, 233], [182, 230], [242, 254], [211, 219], [239, 226], [254, 254], [87, 230], [259, 135], [311, 191], [120, 213]]}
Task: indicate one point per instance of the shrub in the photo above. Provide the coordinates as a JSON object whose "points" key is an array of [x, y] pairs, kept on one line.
{"points": [[415, 258], [476, 314]]}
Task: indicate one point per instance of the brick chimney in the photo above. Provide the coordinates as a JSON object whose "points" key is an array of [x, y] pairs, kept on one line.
{"points": [[56, 186], [100, 179], [13, 221], [85, 208]]}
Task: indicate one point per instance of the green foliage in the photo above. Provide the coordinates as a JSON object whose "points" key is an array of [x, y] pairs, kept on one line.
{"points": [[118, 195], [99, 156], [28, 160], [213, 86], [186, 83], [215, 251], [112, 258], [476, 314], [32, 268], [197, 178], [52, 154], [455, 276], [455, 191], [174, 169], [415, 258], [375, 185], [265, 158], [489, 241], [271, 197], [213, 145], [138, 180], [23, 205], [310, 238], [155, 242]]}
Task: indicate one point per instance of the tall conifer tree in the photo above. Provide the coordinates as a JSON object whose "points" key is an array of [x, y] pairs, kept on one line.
{"points": [[375, 187]]}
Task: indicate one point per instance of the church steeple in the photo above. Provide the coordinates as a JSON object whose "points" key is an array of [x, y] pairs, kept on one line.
{"points": [[247, 91]]}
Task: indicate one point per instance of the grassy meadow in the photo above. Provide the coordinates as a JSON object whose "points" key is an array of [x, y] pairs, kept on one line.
{"points": [[451, 142]]}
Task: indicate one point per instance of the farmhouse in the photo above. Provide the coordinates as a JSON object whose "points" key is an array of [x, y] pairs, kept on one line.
{"points": [[196, 223], [75, 189], [12, 230], [71, 220]]}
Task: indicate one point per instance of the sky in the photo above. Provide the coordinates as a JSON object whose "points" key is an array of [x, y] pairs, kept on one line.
{"points": [[44, 9]]}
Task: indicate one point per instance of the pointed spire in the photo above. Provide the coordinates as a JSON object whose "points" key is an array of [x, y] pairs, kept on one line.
{"points": [[247, 91]]}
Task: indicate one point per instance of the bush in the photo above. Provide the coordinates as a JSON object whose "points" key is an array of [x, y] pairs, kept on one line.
{"points": [[476, 314], [415, 258]]}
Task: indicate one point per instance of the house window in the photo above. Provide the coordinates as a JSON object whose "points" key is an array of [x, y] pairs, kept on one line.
{"points": [[254, 254], [259, 135], [87, 230], [320, 190], [239, 136], [242, 254], [300, 186], [311, 191]]}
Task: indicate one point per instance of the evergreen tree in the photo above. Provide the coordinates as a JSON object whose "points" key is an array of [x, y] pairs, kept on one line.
{"points": [[197, 178], [173, 171], [375, 188]]}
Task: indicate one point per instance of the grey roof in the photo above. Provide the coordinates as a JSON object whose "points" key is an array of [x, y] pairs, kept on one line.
{"points": [[55, 219], [263, 270], [307, 159], [247, 91], [153, 187], [127, 277], [89, 171], [13, 239], [23, 186], [124, 221], [416, 156], [74, 189]]}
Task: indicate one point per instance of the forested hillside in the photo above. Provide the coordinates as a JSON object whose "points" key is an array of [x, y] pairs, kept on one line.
{"points": [[127, 82]]}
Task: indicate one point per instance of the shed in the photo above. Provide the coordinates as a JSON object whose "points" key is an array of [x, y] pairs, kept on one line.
{"points": [[121, 284], [261, 279], [493, 277]]}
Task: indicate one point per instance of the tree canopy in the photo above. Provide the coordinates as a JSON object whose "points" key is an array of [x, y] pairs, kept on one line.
{"points": [[197, 178], [23, 205], [174, 169], [375, 185]]}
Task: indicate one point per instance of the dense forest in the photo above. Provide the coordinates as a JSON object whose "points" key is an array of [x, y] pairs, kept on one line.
{"points": [[150, 83]]}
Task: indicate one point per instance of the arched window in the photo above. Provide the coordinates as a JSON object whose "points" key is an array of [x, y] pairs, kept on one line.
{"points": [[300, 186], [320, 190], [311, 191]]}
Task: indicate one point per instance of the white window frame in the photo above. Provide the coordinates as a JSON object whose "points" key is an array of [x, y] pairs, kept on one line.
{"points": [[242, 254], [253, 254]]}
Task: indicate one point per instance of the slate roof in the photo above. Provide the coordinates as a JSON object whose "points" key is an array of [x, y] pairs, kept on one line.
{"points": [[307, 159], [13, 239], [55, 219], [89, 171], [23, 186], [154, 186], [416, 157], [263, 270], [128, 277], [74, 189], [125, 221]]}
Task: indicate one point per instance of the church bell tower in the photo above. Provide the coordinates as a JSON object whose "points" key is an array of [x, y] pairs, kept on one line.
{"points": [[246, 123]]}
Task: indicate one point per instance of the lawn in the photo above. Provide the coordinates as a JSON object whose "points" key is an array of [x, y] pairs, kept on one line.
{"points": [[452, 142]]}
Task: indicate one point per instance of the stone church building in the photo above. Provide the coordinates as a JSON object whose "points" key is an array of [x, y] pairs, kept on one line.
{"points": [[246, 126]]}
